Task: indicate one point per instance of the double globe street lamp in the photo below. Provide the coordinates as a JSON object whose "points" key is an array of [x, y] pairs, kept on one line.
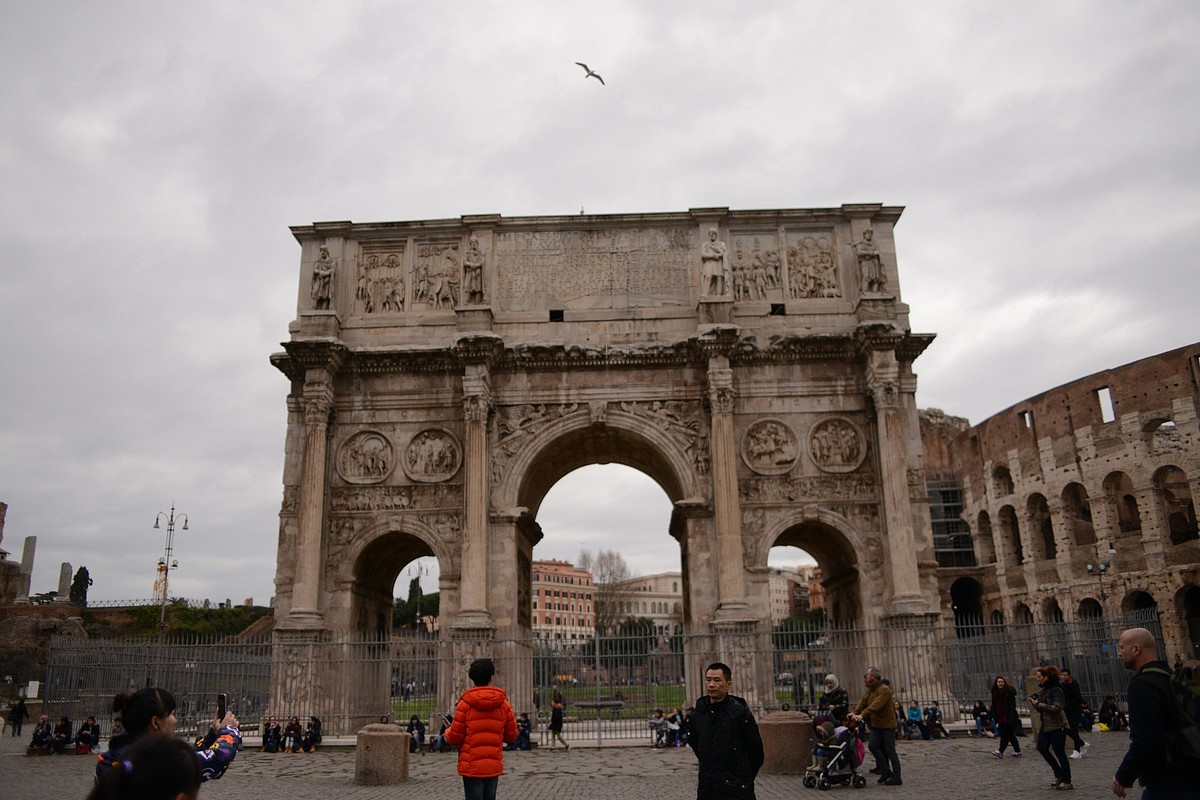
{"points": [[166, 564]]}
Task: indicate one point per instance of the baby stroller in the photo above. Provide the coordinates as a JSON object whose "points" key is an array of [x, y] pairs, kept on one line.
{"points": [[835, 759]]}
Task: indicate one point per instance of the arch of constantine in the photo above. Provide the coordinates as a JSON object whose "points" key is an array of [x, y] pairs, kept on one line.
{"points": [[446, 373]]}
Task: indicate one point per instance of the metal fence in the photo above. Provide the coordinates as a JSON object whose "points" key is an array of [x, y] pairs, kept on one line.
{"points": [[610, 685]]}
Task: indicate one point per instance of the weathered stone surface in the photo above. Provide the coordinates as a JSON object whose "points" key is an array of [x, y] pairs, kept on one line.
{"points": [[381, 756], [787, 738]]}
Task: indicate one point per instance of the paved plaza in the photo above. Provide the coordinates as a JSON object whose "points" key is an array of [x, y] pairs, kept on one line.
{"points": [[959, 768]]}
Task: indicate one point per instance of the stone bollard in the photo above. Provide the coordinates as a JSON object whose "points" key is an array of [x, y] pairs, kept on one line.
{"points": [[381, 757], [787, 738]]}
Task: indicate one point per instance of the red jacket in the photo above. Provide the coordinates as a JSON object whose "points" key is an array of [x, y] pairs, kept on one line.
{"points": [[483, 723]]}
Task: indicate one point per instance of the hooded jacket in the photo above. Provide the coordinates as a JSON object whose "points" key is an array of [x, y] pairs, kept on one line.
{"points": [[483, 724]]}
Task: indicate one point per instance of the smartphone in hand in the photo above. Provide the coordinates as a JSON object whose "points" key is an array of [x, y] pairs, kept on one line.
{"points": [[222, 705]]}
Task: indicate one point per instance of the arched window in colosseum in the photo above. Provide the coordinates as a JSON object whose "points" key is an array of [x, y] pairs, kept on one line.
{"points": [[1118, 488], [966, 598], [1002, 482], [1039, 517], [1090, 608], [1022, 615], [1051, 611], [998, 619], [985, 545], [1178, 507], [1077, 509], [1011, 532], [1139, 601]]}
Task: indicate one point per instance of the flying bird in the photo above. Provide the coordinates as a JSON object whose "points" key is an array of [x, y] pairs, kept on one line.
{"points": [[590, 73]]}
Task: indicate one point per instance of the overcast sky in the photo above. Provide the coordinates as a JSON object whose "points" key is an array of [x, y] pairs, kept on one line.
{"points": [[153, 155]]}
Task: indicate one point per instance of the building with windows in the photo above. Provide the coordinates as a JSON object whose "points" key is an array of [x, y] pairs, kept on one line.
{"points": [[658, 598], [563, 601], [1077, 503]]}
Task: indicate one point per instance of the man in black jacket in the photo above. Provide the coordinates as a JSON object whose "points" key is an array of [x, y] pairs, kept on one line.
{"points": [[725, 739], [1155, 756], [1074, 711]]}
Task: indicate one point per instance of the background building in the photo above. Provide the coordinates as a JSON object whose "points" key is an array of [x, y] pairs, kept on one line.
{"points": [[1075, 504], [658, 598], [563, 600]]}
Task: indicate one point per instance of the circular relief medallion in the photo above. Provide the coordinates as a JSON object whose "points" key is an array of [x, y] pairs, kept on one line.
{"points": [[433, 455], [835, 445], [366, 457], [769, 447]]}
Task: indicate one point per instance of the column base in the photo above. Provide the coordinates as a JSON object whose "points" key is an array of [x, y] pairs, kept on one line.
{"points": [[472, 623], [908, 605], [732, 612], [303, 621]]}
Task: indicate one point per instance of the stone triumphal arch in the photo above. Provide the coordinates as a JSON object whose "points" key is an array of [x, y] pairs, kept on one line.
{"points": [[446, 373]]}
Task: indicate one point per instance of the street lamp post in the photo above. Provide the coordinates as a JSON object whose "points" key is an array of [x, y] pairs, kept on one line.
{"points": [[166, 564], [1101, 568]]}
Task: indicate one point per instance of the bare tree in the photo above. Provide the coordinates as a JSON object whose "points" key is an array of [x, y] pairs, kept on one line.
{"points": [[612, 592]]}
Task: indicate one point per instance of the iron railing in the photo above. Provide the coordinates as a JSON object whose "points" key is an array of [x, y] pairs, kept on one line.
{"points": [[610, 685]]}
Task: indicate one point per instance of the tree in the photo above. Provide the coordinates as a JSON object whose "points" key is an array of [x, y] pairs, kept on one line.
{"points": [[79, 586], [611, 590]]}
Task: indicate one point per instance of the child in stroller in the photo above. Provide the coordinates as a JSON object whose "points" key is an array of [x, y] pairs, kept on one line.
{"points": [[836, 756]]}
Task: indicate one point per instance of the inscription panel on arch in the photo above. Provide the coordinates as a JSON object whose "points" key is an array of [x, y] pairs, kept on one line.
{"points": [[595, 268]]}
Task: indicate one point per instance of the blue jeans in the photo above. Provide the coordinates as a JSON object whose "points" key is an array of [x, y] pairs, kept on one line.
{"points": [[480, 788]]}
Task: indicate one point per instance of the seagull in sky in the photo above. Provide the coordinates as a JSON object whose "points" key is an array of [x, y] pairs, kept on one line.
{"points": [[590, 73]]}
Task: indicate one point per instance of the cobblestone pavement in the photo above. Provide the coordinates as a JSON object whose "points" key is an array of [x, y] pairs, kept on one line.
{"points": [[959, 768]]}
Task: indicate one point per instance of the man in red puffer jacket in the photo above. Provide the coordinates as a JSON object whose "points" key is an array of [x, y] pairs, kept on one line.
{"points": [[483, 724]]}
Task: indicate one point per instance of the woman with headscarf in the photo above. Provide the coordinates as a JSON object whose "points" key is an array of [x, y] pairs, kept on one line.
{"points": [[836, 701]]}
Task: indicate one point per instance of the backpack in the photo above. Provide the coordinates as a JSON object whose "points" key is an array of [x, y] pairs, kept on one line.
{"points": [[1185, 687]]}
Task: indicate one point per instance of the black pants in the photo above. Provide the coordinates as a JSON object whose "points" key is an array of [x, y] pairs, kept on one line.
{"points": [[1007, 736], [882, 744], [1057, 760], [1073, 720]]}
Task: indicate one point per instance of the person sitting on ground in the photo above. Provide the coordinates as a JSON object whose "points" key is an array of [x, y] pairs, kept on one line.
{"points": [[524, 727], [312, 735], [151, 712], [416, 733], [658, 724], [154, 768], [933, 722], [1087, 717], [272, 736], [87, 737], [980, 714], [1111, 714], [292, 735], [43, 735], [916, 722], [440, 744], [62, 735]]}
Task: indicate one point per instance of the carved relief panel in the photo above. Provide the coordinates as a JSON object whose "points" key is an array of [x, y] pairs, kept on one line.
{"points": [[835, 444], [757, 267], [769, 447], [436, 275], [433, 455], [812, 265], [380, 285], [365, 458]]}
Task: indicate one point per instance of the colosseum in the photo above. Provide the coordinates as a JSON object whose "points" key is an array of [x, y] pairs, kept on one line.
{"points": [[1076, 503]]}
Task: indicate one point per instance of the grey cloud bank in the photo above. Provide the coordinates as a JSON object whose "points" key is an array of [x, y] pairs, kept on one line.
{"points": [[152, 158]]}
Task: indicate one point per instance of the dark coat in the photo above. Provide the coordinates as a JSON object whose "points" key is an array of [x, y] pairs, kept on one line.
{"points": [[1073, 697], [727, 744], [556, 719], [1153, 757]]}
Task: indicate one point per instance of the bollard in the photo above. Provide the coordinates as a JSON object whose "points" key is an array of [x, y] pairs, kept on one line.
{"points": [[787, 738], [381, 757]]}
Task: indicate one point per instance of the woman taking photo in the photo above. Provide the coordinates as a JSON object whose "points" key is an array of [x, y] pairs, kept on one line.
{"points": [[151, 712], [1049, 703]]}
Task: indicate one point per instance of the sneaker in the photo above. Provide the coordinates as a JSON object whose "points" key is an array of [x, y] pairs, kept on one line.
{"points": [[1017, 754], [997, 754], [1056, 783], [875, 771], [893, 780], [1083, 750], [1065, 786], [884, 778], [1078, 754]]}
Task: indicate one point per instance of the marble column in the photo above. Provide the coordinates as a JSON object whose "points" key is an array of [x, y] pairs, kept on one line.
{"points": [[477, 407], [883, 379], [26, 579], [306, 610], [731, 587]]}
